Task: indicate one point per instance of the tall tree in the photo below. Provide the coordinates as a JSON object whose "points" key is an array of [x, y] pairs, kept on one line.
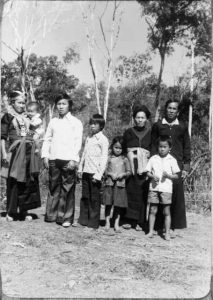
{"points": [[167, 21], [104, 43], [30, 21]]}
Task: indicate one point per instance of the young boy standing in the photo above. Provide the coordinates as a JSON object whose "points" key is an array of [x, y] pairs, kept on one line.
{"points": [[91, 168], [162, 168]]}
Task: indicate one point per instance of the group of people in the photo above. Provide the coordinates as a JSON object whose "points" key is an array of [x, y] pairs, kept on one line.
{"points": [[140, 170]]}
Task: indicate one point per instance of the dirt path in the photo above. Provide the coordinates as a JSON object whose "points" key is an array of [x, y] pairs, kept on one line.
{"points": [[45, 260]]}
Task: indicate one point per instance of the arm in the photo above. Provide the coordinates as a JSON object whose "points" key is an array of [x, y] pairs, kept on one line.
{"points": [[5, 122], [105, 146], [127, 172], [152, 176], [154, 137], [3, 150], [81, 164], [45, 151], [186, 150], [77, 143], [170, 176]]}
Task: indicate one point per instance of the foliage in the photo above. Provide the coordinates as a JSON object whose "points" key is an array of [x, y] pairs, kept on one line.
{"points": [[47, 75], [132, 68]]}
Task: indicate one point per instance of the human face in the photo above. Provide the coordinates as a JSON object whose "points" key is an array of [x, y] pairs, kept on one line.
{"points": [[62, 107], [18, 104], [95, 128], [31, 112], [117, 149], [163, 148], [172, 111], [140, 119]]}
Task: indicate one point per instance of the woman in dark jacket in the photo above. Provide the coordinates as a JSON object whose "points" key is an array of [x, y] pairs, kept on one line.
{"points": [[137, 142], [178, 131], [22, 161]]}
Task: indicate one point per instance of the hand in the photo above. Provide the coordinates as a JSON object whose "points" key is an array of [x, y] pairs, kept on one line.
{"points": [[184, 174], [46, 162], [114, 176], [156, 179], [79, 175], [94, 180], [165, 175], [71, 165], [121, 176]]}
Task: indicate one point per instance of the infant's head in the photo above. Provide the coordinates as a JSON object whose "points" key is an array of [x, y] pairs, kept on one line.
{"points": [[32, 109]]}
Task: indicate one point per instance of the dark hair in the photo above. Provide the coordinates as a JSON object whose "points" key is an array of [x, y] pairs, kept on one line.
{"points": [[171, 101], [66, 97], [118, 139], [33, 104], [99, 119], [165, 138], [140, 108], [14, 94]]}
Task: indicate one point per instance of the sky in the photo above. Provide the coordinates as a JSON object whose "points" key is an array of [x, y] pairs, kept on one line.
{"points": [[70, 29]]}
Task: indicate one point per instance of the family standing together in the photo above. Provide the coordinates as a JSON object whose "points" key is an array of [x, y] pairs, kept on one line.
{"points": [[141, 173]]}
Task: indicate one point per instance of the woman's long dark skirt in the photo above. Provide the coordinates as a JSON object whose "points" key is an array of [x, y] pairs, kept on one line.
{"points": [[23, 195], [137, 191]]}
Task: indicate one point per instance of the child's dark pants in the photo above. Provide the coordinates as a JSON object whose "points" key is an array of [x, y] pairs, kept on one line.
{"points": [[61, 199], [90, 202]]}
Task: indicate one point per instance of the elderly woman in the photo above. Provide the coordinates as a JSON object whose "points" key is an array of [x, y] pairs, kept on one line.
{"points": [[137, 141], [22, 161]]}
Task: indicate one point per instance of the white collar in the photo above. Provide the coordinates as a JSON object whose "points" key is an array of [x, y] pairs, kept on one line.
{"points": [[67, 116], [175, 122], [97, 135]]}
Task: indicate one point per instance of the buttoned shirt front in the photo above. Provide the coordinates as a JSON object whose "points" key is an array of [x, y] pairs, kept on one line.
{"points": [[95, 154], [63, 138], [157, 165]]}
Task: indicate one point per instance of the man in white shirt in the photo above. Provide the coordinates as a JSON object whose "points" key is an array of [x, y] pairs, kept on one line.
{"points": [[60, 152]]}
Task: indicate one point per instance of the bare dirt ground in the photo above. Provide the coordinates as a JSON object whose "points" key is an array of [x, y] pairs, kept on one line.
{"points": [[40, 259]]}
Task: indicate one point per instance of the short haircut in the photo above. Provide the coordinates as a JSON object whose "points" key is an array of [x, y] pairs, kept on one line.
{"points": [[165, 138], [118, 139], [99, 119], [141, 108], [33, 104], [171, 101], [64, 96]]}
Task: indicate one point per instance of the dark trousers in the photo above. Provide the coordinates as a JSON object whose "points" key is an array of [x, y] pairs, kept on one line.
{"points": [[61, 198], [90, 205], [23, 195]]}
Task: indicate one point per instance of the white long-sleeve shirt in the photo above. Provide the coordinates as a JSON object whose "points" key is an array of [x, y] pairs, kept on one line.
{"points": [[63, 138], [95, 155]]}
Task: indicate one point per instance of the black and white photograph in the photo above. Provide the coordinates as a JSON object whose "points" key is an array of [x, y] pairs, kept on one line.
{"points": [[106, 149]]}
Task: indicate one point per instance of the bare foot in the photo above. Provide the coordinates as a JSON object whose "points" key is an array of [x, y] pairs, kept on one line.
{"points": [[9, 219], [117, 229], [107, 227], [150, 235], [167, 237]]}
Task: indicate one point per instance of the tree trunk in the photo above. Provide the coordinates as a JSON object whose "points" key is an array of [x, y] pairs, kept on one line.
{"points": [[191, 90], [157, 97], [1, 16]]}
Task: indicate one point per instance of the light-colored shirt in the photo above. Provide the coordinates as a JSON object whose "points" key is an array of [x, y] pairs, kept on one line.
{"points": [[63, 138], [175, 122], [117, 165], [157, 165], [95, 155]]}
